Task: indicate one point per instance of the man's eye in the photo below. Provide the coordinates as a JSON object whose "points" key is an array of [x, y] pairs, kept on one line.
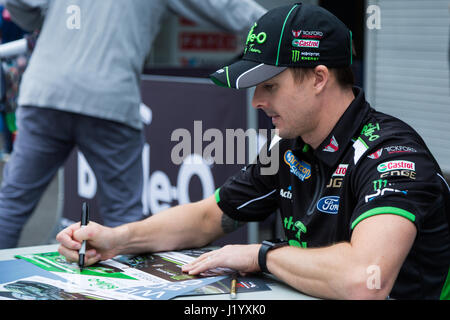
{"points": [[268, 87]]}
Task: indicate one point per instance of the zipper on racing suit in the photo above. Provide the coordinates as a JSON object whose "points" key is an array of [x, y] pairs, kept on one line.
{"points": [[320, 185]]}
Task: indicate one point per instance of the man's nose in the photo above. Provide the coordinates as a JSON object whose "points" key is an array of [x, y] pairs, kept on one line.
{"points": [[258, 101]]}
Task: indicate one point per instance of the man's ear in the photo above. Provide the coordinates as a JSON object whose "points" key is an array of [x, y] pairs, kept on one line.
{"points": [[321, 78]]}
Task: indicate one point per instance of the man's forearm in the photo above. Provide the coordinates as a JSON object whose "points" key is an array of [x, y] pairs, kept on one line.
{"points": [[331, 272], [304, 272], [343, 270], [185, 226]]}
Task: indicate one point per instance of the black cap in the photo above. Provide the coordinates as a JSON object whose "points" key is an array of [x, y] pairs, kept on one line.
{"points": [[298, 35]]}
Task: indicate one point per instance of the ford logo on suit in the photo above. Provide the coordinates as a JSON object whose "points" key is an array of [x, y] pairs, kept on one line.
{"points": [[328, 204]]}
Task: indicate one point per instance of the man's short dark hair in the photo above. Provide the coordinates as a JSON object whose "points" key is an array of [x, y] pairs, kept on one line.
{"points": [[344, 76]]}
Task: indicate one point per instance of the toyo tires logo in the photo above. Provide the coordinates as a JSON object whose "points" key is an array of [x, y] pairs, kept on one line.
{"points": [[396, 165]]}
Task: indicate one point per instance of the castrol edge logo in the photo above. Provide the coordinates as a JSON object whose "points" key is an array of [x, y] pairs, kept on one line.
{"points": [[396, 165]]}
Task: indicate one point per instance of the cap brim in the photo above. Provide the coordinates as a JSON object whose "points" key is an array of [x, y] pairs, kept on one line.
{"points": [[245, 74]]}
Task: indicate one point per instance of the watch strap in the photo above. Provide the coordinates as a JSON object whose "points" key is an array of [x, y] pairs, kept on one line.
{"points": [[262, 257], [266, 246]]}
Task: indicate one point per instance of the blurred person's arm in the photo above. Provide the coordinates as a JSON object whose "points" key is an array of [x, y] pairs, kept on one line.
{"points": [[231, 15], [27, 14]]}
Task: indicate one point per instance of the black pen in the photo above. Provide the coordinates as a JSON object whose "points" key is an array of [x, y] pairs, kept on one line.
{"points": [[84, 222]]}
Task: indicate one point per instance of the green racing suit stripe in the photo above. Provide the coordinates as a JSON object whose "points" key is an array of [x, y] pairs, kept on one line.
{"points": [[217, 195], [384, 210]]}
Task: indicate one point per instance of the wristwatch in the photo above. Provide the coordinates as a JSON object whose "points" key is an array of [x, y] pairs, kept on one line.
{"points": [[265, 247]]}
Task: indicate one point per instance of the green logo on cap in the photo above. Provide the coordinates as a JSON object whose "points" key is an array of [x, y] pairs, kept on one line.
{"points": [[295, 55], [259, 38]]}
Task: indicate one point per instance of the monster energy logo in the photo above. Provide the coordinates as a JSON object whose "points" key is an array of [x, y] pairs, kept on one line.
{"points": [[378, 184], [295, 55]]}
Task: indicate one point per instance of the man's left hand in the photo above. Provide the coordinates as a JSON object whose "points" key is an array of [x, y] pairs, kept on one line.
{"points": [[242, 258]]}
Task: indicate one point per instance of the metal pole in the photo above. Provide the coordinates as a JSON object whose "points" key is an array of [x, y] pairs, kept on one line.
{"points": [[252, 123]]}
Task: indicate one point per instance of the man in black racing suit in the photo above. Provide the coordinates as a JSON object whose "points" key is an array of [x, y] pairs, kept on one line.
{"points": [[363, 203]]}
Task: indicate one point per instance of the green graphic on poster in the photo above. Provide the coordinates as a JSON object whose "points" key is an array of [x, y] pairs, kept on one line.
{"points": [[53, 261]]}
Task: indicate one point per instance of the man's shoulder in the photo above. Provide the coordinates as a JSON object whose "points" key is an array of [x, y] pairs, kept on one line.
{"points": [[381, 125], [384, 137], [380, 129]]}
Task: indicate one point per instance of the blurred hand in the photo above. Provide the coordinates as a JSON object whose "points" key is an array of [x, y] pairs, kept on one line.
{"points": [[102, 242], [243, 258]]}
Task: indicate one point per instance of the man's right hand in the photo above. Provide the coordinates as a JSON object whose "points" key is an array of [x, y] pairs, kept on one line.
{"points": [[102, 242]]}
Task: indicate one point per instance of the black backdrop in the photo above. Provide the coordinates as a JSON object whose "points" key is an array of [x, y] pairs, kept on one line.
{"points": [[174, 103]]}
